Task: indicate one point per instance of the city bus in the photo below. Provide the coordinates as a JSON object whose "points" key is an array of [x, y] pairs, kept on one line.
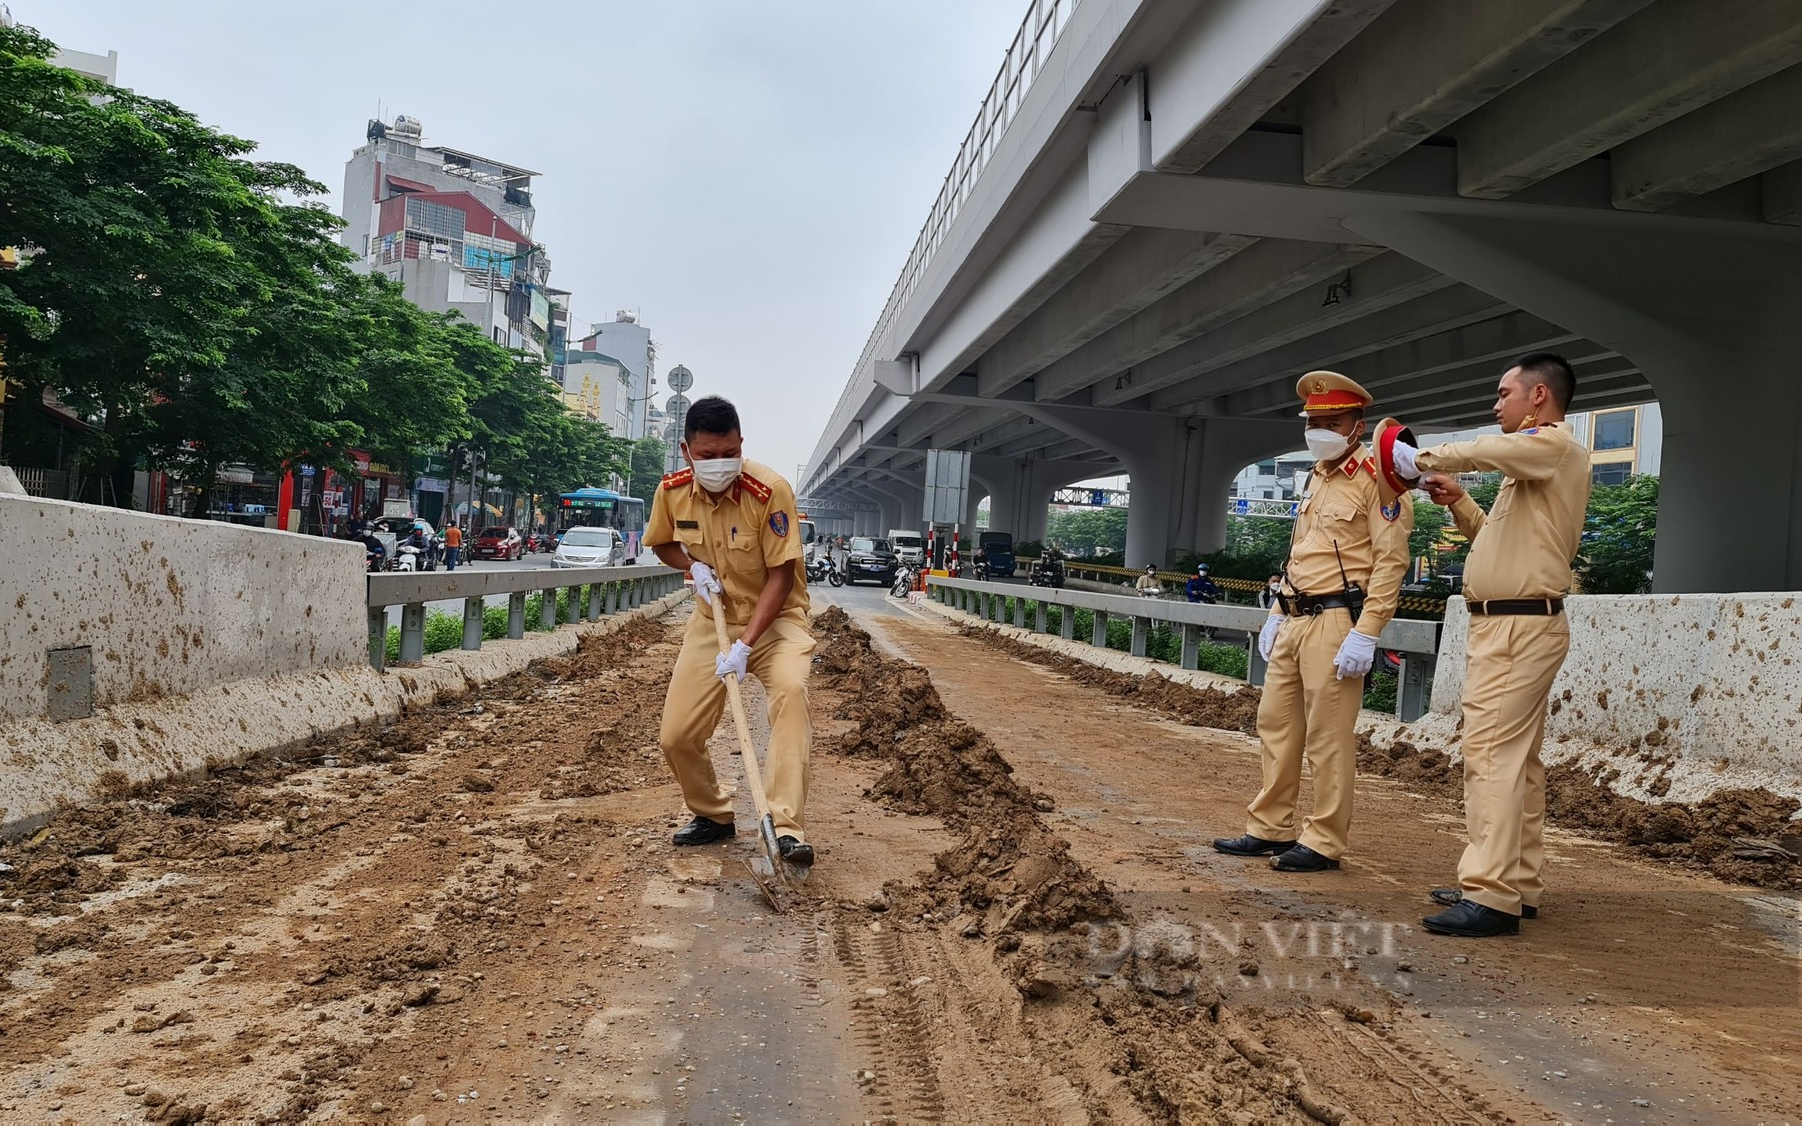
{"points": [[603, 508]]}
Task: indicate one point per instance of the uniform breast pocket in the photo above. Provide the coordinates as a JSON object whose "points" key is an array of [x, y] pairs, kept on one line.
{"points": [[1335, 520], [744, 553]]}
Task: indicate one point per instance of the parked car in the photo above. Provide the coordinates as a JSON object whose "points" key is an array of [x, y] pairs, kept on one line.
{"points": [[498, 543], [590, 547], [870, 558]]}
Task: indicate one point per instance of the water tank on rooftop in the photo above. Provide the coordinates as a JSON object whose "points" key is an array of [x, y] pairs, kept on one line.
{"points": [[408, 127]]}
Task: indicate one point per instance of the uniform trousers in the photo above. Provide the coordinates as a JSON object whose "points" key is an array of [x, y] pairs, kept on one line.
{"points": [[691, 711], [1510, 664], [1307, 712]]}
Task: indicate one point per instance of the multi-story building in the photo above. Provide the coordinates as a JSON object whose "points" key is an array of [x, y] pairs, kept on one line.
{"points": [[630, 342], [454, 228], [597, 386]]}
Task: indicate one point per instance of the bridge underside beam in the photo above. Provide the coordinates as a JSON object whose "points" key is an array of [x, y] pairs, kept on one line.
{"points": [[1423, 65], [1251, 279], [1672, 58], [1742, 135]]}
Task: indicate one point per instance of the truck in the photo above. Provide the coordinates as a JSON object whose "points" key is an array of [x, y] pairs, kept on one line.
{"points": [[909, 546], [997, 550]]}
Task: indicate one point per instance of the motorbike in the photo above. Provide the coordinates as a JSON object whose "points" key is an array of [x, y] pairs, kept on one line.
{"points": [[982, 569], [904, 582], [1047, 572], [406, 558], [823, 569]]}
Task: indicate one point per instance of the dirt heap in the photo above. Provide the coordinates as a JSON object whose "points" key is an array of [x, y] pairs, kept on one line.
{"points": [[1729, 834], [1009, 872], [1197, 707], [1102, 984]]}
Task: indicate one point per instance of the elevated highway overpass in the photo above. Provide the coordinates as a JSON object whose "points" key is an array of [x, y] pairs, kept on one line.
{"points": [[1168, 209]]}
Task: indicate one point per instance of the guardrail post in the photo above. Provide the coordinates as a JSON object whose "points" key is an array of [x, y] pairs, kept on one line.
{"points": [[472, 622], [596, 592], [575, 604], [1066, 626], [1255, 665], [1098, 630], [1191, 646], [412, 633], [1141, 636], [1039, 616], [516, 615], [378, 637], [1413, 694], [612, 596], [637, 593], [1019, 613], [1001, 608]]}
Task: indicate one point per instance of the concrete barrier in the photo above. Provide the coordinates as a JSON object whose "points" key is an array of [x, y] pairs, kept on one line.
{"points": [[46, 765], [104, 606], [1684, 695]]}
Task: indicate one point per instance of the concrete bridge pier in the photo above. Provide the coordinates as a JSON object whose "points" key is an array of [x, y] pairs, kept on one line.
{"points": [[1020, 489], [1181, 470], [1707, 310]]}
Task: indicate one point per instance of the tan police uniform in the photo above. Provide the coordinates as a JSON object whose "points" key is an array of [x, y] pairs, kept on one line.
{"points": [[748, 532], [1306, 710], [1522, 550]]}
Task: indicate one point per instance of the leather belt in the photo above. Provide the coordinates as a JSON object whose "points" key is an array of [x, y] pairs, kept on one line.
{"points": [[1495, 607], [1312, 604]]}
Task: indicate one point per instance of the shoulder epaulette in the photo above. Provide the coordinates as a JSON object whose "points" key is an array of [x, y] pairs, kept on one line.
{"points": [[677, 479], [755, 487]]}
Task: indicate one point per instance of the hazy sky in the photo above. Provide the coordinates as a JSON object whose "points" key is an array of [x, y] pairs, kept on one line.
{"points": [[749, 176]]}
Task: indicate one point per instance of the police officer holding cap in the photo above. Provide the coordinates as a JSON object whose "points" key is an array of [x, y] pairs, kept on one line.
{"points": [[1341, 587], [1514, 584], [731, 525]]}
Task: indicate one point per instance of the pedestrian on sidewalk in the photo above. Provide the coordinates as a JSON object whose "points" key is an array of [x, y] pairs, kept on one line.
{"points": [[1515, 580], [453, 545], [1344, 578], [730, 524]]}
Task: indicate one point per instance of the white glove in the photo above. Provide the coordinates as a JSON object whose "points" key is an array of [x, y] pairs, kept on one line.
{"points": [[1267, 635], [732, 661], [706, 585], [1356, 655], [1403, 456]]}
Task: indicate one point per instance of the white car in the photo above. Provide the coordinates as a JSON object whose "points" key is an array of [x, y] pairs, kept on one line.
{"points": [[590, 547]]}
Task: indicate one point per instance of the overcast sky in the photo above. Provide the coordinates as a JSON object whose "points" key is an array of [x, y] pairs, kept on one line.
{"points": [[748, 176]]}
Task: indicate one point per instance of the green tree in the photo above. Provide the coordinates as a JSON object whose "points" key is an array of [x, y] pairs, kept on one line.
{"points": [[1430, 522], [167, 288], [1619, 532], [1256, 547], [1087, 531], [647, 468]]}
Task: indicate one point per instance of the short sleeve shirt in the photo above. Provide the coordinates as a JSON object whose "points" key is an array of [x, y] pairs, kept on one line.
{"points": [[751, 530]]}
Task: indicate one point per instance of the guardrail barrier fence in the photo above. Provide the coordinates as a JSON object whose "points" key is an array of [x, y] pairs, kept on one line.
{"points": [[594, 592], [1415, 641]]}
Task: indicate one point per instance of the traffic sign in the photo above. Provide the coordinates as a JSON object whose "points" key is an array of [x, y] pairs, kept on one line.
{"points": [[680, 379]]}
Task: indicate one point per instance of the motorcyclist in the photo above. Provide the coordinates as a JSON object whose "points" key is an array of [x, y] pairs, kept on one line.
{"points": [[1201, 587], [374, 549], [1149, 585]]}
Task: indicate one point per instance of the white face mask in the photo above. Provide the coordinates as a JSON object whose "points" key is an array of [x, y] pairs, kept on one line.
{"points": [[1325, 445], [717, 474]]}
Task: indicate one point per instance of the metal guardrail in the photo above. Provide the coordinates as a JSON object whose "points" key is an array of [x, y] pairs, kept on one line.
{"points": [[593, 593], [1419, 603], [1417, 641]]}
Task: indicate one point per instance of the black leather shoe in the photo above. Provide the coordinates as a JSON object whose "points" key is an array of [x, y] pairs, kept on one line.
{"points": [[794, 851], [1451, 897], [1470, 919], [1301, 858], [1249, 845], [704, 830]]}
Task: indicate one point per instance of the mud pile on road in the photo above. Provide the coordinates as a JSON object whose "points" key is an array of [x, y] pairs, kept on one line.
{"points": [[1009, 872], [1236, 710], [1124, 1009]]}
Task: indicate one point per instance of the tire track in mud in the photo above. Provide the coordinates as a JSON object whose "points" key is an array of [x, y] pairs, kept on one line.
{"points": [[888, 1022]]}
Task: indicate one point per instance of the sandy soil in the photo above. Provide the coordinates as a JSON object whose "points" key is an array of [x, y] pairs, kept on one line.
{"points": [[474, 914]]}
